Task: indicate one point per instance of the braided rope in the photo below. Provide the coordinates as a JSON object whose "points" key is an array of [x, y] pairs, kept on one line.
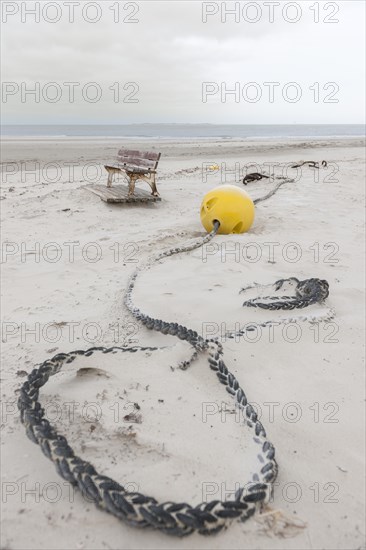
{"points": [[134, 508], [311, 164], [274, 190], [254, 176], [307, 292]]}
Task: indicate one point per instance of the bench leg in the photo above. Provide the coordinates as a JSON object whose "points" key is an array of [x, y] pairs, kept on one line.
{"points": [[151, 181], [154, 190], [111, 171], [110, 178], [132, 178], [132, 183]]}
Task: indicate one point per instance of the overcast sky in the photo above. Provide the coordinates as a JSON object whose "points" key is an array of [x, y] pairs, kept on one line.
{"points": [[169, 52]]}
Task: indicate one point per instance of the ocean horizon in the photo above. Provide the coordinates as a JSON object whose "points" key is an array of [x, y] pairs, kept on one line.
{"points": [[179, 130]]}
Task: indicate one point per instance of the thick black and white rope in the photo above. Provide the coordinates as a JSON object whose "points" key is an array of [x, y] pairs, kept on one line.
{"points": [[132, 507], [307, 292]]}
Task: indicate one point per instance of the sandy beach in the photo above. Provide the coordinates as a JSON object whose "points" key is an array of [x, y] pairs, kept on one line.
{"points": [[66, 260]]}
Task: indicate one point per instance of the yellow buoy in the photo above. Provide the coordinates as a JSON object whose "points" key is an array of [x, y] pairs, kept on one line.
{"points": [[231, 206]]}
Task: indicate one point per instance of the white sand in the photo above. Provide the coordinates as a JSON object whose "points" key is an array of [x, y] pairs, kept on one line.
{"points": [[172, 454]]}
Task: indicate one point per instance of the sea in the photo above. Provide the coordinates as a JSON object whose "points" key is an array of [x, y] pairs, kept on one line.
{"points": [[186, 131]]}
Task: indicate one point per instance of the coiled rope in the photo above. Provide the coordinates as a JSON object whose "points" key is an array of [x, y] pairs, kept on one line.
{"points": [[307, 292]]}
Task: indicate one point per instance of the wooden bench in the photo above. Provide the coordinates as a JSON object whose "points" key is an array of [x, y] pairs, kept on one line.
{"points": [[137, 165]]}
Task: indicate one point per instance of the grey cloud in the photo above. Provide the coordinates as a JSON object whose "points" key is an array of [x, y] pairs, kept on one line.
{"points": [[170, 52]]}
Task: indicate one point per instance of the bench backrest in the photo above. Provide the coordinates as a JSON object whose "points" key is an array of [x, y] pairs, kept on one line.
{"points": [[143, 159]]}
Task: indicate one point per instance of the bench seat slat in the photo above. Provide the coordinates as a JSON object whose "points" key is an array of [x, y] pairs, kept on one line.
{"points": [[130, 168], [137, 161], [149, 155]]}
